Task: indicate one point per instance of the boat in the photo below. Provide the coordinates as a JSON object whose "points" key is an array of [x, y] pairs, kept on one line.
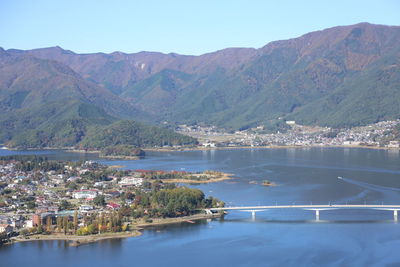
{"points": [[189, 221], [340, 177]]}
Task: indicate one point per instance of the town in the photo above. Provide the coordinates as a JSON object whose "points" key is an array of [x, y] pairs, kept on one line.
{"points": [[381, 134], [41, 196]]}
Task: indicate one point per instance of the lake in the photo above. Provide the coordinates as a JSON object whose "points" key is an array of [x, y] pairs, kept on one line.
{"points": [[274, 237]]}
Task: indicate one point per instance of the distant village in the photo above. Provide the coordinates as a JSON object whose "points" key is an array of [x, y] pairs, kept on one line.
{"points": [[380, 134]]}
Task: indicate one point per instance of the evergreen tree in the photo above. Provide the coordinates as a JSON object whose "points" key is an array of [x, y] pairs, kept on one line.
{"points": [[65, 224], [39, 227], [75, 221]]}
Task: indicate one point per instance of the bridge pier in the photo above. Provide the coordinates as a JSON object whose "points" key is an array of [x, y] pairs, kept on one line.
{"points": [[395, 212], [317, 212], [253, 213]]}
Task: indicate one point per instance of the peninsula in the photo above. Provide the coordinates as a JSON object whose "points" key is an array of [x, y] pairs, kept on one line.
{"points": [[84, 202]]}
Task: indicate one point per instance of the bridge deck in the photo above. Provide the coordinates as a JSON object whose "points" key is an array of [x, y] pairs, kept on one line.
{"points": [[333, 206]]}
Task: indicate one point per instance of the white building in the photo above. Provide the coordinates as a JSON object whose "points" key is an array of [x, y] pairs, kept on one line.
{"points": [[131, 181], [29, 224], [394, 144], [85, 194], [209, 144], [85, 208]]}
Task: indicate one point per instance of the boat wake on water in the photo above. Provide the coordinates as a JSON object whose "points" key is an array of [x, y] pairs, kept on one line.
{"points": [[388, 192], [372, 187]]}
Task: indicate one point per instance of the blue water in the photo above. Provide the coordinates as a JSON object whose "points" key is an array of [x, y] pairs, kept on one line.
{"points": [[275, 237]]}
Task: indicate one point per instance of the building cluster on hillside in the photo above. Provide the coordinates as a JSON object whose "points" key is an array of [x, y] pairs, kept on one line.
{"points": [[378, 134], [27, 197]]}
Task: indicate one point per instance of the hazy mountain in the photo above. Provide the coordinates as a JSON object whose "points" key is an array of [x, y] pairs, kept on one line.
{"points": [[342, 76]]}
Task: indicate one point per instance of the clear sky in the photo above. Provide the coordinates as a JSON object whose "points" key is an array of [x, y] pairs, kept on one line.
{"points": [[182, 26]]}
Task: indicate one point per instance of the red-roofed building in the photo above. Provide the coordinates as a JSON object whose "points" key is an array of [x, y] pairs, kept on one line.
{"points": [[113, 206]]}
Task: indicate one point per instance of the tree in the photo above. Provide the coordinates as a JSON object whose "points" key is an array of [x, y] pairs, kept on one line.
{"points": [[24, 232], [31, 205], [39, 227], [59, 224], [64, 205], [48, 224], [99, 200], [3, 237], [73, 186], [65, 224], [75, 221], [91, 229]]}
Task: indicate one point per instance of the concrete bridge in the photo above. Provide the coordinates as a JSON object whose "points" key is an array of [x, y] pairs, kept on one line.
{"points": [[315, 208]]}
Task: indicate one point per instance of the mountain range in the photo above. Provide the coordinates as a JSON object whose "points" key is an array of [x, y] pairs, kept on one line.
{"points": [[339, 77]]}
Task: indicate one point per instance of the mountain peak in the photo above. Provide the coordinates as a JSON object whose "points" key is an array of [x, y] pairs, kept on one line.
{"points": [[235, 87]]}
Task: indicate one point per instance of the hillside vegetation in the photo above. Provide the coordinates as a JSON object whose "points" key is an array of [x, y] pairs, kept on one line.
{"points": [[340, 77], [44, 103], [135, 134]]}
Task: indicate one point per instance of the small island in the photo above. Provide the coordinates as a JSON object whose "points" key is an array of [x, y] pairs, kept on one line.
{"points": [[187, 177], [127, 152], [268, 183]]}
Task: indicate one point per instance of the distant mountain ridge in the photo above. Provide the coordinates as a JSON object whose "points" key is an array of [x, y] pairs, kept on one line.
{"points": [[341, 76], [118, 70], [27, 81], [44, 103]]}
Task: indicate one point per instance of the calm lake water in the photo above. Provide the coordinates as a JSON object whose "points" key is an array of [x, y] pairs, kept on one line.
{"points": [[278, 238]]}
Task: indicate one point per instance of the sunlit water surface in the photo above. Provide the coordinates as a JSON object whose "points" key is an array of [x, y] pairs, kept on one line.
{"points": [[274, 237]]}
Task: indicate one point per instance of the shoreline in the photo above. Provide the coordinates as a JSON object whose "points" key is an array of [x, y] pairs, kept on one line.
{"points": [[75, 240], [116, 157], [167, 221], [265, 147], [199, 148], [120, 157]]}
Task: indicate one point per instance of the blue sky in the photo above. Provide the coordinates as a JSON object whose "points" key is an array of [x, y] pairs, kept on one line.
{"points": [[181, 26]]}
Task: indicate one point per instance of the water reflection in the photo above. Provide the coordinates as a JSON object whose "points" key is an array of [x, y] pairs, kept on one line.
{"points": [[393, 154]]}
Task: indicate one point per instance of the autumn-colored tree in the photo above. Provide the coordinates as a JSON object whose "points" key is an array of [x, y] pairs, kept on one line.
{"points": [[39, 226], [59, 224], [48, 224]]}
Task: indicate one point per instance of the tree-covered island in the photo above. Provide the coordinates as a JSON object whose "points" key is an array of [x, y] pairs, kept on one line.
{"points": [[122, 152], [48, 199]]}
